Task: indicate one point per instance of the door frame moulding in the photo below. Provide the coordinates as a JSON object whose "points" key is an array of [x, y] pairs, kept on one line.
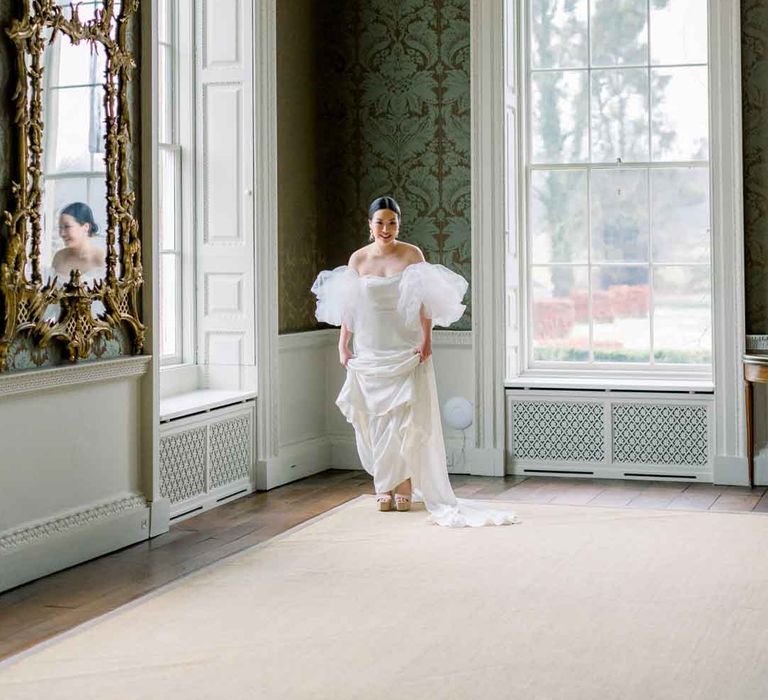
{"points": [[488, 220], [265, 218], [728, 243]]}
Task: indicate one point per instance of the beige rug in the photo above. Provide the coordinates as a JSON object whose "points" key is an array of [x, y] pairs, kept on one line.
{"points": [[574, 603]]}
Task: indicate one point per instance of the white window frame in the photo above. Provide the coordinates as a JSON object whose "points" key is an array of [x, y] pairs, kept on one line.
{"points": [[658, 375], [181, 23], [495, 228]]}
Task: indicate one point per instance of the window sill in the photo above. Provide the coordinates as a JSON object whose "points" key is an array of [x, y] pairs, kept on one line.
{"points": [[200, 401], [655, 385]]}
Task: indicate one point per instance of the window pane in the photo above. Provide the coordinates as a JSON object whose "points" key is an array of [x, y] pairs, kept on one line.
{"points": [[619, 32], [680, 113], [167, 198], [558, 33], [86, 11], [168, 292], [620, 115], [680, 215], [560, 313], [165, 94], [559, 117], [75, 64], [77, 143], [164, 20], [619, 215], [679, 31], [618, 253], [620, 314], [682, 325], [559, 216]]}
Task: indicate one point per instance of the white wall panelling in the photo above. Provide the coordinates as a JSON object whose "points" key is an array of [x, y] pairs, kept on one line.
{"points": [[303, 447], [224, 29], [42, 547], [225, 245], [226, 348], [611, 434], [224, 293], [74, 446], [207, 459], [14, 383]]}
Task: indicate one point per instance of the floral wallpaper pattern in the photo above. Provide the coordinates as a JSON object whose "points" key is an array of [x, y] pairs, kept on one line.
{"points": [[754, 38], [393, 117]]}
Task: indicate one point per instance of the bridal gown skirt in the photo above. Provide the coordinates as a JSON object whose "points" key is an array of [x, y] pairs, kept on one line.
{"points": [[390, 398]]}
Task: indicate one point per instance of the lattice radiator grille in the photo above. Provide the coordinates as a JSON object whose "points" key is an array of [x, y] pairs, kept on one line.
{"points": [[182, 464], [558, 430], [200, 457], [660, 434], [664, 437]]}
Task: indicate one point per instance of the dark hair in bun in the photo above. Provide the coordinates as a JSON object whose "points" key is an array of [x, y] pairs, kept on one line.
{"points": [[383, 203], [83, 214]]}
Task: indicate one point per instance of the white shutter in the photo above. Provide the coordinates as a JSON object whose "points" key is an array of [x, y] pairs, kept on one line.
{"points": [[224, 209]]}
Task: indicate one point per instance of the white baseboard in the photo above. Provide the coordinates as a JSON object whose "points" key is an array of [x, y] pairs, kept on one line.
{"points": [[732, 471], [761, 468], [485, 461], [45, 553], [344, 453], [295, 461], [470, 460], [160, 517]]}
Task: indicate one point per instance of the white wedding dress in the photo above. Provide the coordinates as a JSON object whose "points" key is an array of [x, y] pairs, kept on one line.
{"points": [[389, 397]]}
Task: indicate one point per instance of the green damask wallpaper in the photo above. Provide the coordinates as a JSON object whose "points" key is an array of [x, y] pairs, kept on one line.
{"points": [[754, 53], [299, 249], [393, 118]]}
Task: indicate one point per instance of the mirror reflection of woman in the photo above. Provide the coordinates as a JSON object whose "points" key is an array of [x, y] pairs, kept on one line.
{"points": [[77, 228]]}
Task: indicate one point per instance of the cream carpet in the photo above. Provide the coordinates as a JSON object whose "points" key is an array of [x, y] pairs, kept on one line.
{"points": [[574, 603]]}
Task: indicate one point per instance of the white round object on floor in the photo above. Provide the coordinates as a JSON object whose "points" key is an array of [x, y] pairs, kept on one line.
{"points": [[458, 412]]}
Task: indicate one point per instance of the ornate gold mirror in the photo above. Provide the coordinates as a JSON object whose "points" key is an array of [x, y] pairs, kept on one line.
{"points": [[71, 271]]}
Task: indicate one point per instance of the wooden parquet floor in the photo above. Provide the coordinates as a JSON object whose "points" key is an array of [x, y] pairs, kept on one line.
{"points": [[41, 609]]}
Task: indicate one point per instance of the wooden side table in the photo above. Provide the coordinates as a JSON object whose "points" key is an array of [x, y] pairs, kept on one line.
{"points": [[755, 371]]}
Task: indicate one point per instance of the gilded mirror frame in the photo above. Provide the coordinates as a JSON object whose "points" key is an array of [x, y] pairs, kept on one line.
{"points": [[25, 295]]}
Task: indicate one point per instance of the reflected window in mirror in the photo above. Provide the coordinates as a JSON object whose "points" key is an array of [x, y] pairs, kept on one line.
{"points": [[74, 213]]}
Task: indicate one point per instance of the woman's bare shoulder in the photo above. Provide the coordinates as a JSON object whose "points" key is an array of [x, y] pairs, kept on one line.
{"points": [[358, 257], [413, 253]]}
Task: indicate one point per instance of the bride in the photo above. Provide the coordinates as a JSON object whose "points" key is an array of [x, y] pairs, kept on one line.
{"points": [[387, 299]]}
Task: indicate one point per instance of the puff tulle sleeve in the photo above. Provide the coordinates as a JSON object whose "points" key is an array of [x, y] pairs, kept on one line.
{"points": [[440, 290], [336, 291]]}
